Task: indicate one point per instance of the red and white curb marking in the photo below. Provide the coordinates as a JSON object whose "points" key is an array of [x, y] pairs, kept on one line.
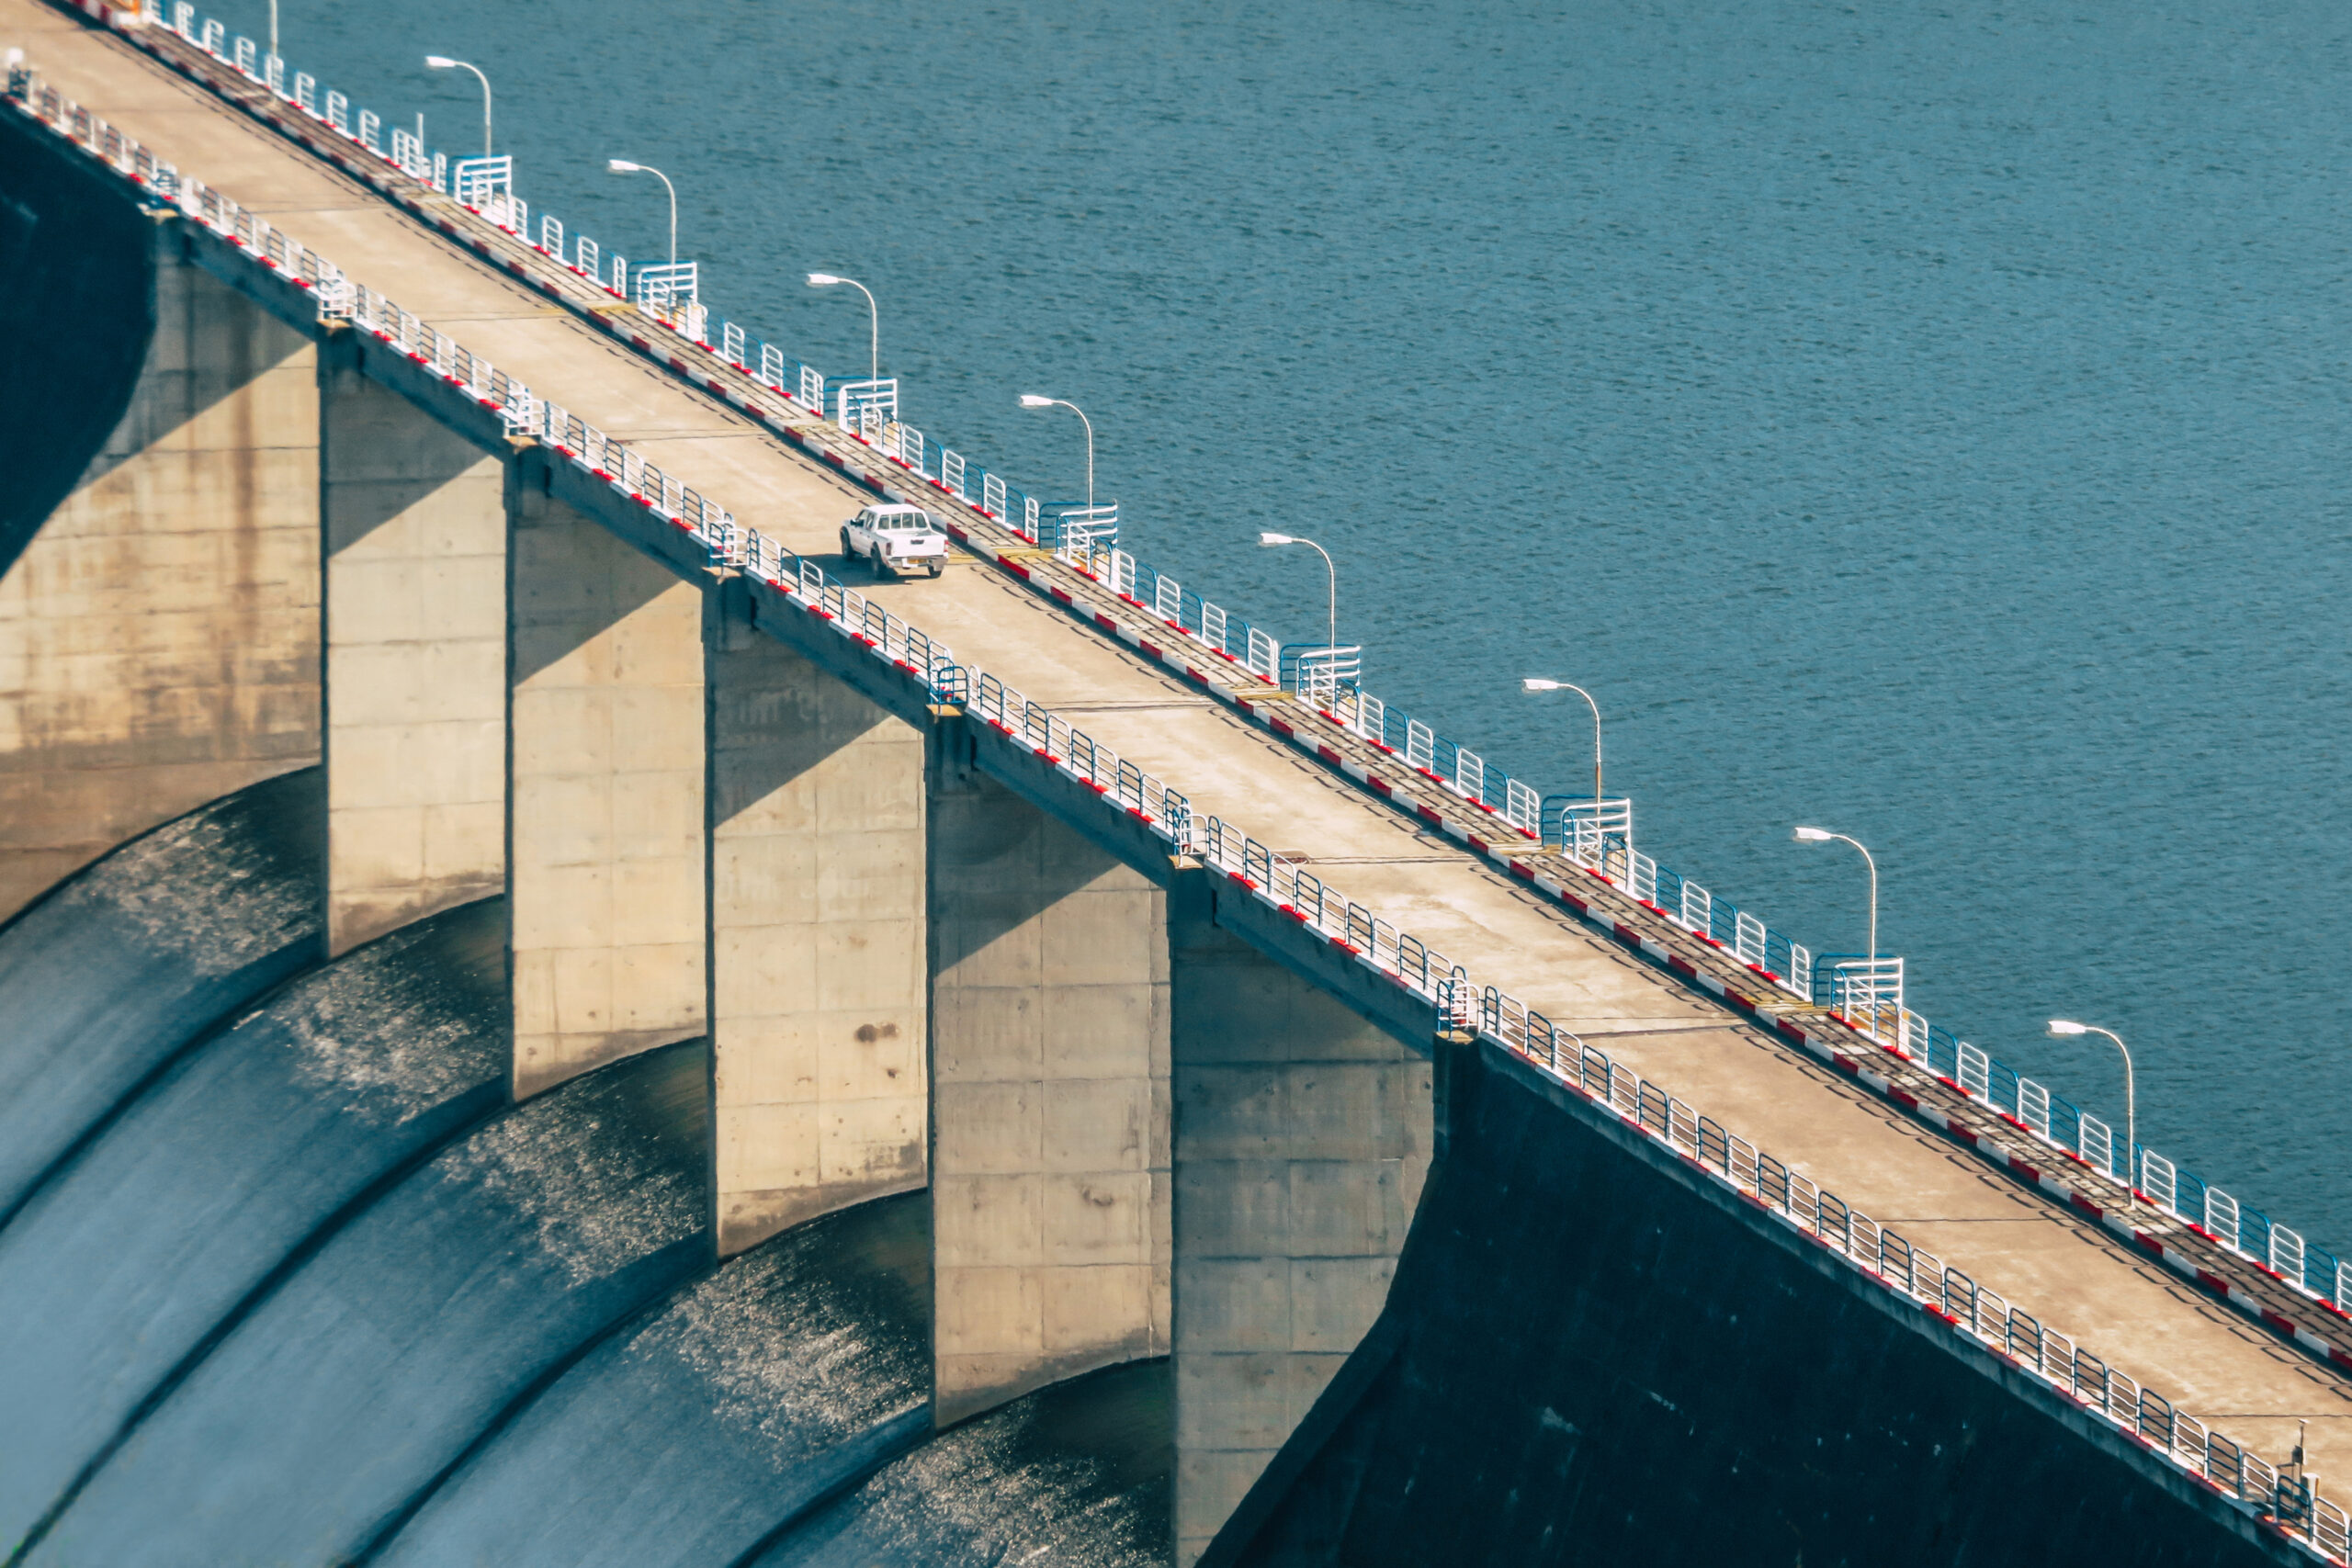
{"points": [[2077, 1198]]}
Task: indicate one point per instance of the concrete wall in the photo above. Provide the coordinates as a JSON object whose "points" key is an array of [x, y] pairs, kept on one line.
{"points": [[1592, 1354], [75, 320], [1301, 1140], [605, 794], [1049, 1058], [818, 1003], [159, 634], [415, 588]]}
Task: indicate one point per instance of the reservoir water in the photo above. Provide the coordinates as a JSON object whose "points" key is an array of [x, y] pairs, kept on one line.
{"points": [[1923, 422]]}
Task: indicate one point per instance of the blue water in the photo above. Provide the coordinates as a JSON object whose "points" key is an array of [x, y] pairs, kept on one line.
{"points": [[1920, 422]]}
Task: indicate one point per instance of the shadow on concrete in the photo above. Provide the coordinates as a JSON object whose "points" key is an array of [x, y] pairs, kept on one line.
{"points": [[75, 320], [569, 581], [996, 864], [1587, 1361]]}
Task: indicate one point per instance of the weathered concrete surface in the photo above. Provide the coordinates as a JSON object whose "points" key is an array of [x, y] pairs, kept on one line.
{"points": [[605, 793], [416, 568], [818, 991], [1595, 1355], [1049, 1058], [159, 634], [2063, 1268], [1302, 1139]]}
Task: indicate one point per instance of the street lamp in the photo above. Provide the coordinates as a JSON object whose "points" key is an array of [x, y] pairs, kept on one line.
{"points": [[273, 27], [443, 62], [1823, 836], [1536, 683], [2067, 1026], [1032, 401], [826, 281], [623, 166], [1287, 539]]}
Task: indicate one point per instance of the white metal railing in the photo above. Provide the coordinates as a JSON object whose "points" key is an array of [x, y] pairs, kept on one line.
{"points": [[1079, 529], [667, 287], [1291, 888], [857, 404], [478, 182]]}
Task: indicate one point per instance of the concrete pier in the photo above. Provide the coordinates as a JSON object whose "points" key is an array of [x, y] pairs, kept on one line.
{"points": [[604, 791], [414, 520], [1049, 1055], [1302, 1140], [818, 989], [159, 635]]}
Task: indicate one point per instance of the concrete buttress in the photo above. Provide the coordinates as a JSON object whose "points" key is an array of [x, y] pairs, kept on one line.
{"points": [[605, 793], [1050, 1064], [818, 989], [1302, 1140], [159, 635], [415, 589]]}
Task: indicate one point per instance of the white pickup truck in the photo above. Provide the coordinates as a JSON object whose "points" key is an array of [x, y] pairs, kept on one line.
{"points": [[896, 539]]}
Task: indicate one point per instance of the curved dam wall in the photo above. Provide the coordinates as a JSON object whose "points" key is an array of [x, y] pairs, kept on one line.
{"points": [[1593, 1355]]}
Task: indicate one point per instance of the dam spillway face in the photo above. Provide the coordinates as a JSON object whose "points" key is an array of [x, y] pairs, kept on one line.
{"points": [[308, 1286], [541, 1025], [124, 965]]}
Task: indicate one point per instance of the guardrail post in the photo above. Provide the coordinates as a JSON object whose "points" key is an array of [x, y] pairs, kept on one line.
{"points": [[819, 1011]]}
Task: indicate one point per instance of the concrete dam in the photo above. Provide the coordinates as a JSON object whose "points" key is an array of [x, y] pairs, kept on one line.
{"points": [[547, 1017]]}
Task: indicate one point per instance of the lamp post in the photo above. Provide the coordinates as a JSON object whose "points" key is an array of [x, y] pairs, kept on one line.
{"points": [[2067, 1026], [443, 62], [1537, 683], [1033, 400], [273, 27], [623, 166], [1271, 539], [826, 281], [1823, 836]]}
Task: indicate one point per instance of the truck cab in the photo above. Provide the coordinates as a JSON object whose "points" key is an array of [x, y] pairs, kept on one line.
{"points": [[896, 539]]}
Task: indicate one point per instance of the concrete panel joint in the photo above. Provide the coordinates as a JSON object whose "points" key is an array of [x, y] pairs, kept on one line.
{"points": [[818, 1000], [1303, 1137], [414, 554], [159, 634], [605, 775], [1049, 1113]]}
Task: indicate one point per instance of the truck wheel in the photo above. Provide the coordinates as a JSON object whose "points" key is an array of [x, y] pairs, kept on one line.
{"points": [[847, 554], [936, 570]]}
